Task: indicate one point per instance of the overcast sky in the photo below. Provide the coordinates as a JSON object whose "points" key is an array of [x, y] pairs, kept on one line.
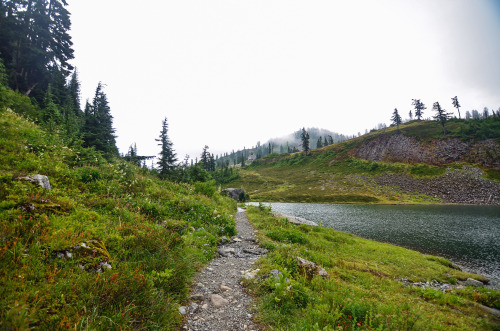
{"points": [[230, 73]]}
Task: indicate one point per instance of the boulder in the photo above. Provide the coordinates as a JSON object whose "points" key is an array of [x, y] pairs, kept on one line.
{"points": [[311, 269], [473, 282], [233, 193], [40, 180]]}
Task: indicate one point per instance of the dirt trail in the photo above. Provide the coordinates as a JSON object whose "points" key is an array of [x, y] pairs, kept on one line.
{"points": [[218, 299]]}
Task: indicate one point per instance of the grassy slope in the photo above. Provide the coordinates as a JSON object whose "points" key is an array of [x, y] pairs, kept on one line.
{"points": [[297, 178], [363, 291], [156, 233]]}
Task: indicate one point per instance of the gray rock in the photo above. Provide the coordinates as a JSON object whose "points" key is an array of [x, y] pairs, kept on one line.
{"points": [[218, 301], [40, 180], [473, 282], [222, 252], [310, 268], [194, 307], [182, 310], [250, 274], [197, 297], [223, 240], [233, 193]]}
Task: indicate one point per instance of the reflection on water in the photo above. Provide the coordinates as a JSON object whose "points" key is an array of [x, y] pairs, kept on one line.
{"points": [[467, 235]]}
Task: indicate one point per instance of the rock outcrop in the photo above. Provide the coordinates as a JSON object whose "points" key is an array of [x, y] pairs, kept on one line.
{"points": [[401, 148], [40, 180]]}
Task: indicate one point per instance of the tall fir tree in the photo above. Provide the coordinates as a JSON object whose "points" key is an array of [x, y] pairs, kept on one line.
{"points": [[34, 40], [167, 157], [304, 137], [396, 119], [98, 131]]}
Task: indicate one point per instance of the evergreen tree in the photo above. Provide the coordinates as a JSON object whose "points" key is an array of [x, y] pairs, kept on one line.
{"points": [[98, 131], [304, 137], [330, 140], [456, 104], [325, 142], [410, 115], [167, 159], [441, 115], [205, 158], [319, 143], [419, 108], [34, 39], [396, 119]]}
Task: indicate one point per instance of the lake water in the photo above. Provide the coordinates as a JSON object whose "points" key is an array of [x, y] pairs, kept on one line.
{"points": [[469, 236]]}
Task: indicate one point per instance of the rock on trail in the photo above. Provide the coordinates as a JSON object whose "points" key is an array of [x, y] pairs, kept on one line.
{"points": [[218, 300]]}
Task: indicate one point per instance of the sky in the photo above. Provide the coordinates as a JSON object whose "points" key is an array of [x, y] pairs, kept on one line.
{"points": [[229, 73]]}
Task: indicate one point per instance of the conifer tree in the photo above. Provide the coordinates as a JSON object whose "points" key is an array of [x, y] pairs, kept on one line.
{"points": [[419, 108], [396, 119], [304, 137], [441, 115], [167, 157], [319, 143], [98, 131], [456, 104], [205, 158]]}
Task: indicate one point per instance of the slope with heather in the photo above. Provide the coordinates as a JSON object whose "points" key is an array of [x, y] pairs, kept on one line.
{"points": [[109, 246]]}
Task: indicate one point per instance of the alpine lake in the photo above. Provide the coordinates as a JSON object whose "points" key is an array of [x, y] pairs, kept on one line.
{"points": [[469, 236]]}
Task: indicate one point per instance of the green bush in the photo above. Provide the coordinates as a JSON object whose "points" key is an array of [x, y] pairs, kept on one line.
{"points": [[290, 236], [206, 188]]}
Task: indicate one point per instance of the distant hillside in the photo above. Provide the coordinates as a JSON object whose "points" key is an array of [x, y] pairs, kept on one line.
{"points": [[286, 144], [418, 165]]}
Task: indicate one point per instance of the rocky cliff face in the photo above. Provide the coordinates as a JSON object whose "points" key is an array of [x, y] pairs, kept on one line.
{"points": [[401, 148]]}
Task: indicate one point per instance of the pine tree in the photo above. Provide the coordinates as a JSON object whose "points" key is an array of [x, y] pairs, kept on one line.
{"points": [[205, 158], [98, 131], [319, 143], [410, 115], [304, 137], [396, 119], [441, 115], [34, 39], [419, 108], [167, 159], [456, 104]]}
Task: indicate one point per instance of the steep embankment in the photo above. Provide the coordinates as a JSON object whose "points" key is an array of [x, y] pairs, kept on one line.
{"points": [[107, 246], [418, 165]]}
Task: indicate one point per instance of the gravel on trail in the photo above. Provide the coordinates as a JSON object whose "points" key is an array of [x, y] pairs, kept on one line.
{"points": [[218, 299]]}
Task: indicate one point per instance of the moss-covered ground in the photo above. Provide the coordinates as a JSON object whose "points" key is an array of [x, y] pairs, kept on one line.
{"points": [[364, 290]]}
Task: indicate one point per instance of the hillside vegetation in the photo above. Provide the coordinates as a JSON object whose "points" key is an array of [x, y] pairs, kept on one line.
{"points": [[108, 247], [418, 165]]}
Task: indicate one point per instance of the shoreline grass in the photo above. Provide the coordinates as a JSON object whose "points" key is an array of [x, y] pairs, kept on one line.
{"points": [[365, 288]]}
